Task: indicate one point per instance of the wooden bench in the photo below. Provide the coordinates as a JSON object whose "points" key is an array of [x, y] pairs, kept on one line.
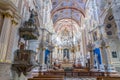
{"points": [[108, 78], [75, 73], [47, 77]]}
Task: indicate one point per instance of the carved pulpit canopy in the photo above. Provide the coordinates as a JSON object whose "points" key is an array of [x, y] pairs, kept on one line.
{"points": [[29, 32], [29, 29]]}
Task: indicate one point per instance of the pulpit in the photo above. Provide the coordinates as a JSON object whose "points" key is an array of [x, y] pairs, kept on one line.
{"points": [[24, 61]]}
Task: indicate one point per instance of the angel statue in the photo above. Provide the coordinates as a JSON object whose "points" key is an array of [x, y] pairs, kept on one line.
{"points": [[32, 16]]}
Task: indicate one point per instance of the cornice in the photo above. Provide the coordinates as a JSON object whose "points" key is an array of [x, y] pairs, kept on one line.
{"points": [[8, 5]]}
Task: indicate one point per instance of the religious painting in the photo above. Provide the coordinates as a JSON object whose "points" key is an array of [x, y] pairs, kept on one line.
{"points": [[66, 54]]}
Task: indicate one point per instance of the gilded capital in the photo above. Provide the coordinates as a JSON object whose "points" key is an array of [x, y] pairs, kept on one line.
{"points": [[1, 11], [8, 13], [14, 22], [43, 48], [107, 46]]}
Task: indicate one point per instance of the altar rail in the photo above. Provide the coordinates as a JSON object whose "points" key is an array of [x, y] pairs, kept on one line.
{"points": [[75, 73], [54, 75]]}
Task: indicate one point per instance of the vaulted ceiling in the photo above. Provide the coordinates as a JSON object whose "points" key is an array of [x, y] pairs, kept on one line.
{"points": [[66, 16], [72, 9]]}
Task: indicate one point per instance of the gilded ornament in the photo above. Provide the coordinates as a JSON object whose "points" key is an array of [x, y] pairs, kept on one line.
{"points": [[14, 22], [7, 14]]}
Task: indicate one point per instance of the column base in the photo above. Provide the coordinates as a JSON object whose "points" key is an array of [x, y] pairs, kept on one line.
{"points": [[5, 71]]}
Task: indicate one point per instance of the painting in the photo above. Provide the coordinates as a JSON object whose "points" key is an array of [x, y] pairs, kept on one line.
{"points": [[66, 53]]}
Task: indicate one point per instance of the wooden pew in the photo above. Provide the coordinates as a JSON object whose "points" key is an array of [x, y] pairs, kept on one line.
{"points": [[47, 77], [108, 78]]}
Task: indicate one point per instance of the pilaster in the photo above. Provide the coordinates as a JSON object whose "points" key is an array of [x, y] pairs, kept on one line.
{"points": [[5, 33], [1, 21], [102, 55], [12, 37], [42, 58]]}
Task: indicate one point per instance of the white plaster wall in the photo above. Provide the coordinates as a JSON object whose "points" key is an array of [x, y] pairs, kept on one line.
{"points": [[33, 45], [114, 46]]}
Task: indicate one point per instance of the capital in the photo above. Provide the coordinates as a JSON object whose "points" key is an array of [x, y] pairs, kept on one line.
{"points": [[14, 21], [8, 13]]}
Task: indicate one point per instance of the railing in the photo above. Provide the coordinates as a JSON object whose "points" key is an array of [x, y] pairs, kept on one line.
{"points": [[75, 73]]}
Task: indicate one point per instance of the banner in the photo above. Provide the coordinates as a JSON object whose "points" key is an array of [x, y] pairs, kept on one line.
{"points": [[47, 56], [97, 52]]}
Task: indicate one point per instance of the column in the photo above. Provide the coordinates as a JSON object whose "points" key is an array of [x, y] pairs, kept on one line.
{"points": [[42, 46], [1, 21], [11, 43], [82, 48], [41, 59], [61, 54], [102, 55], [57, 52], [51, 53], [5, 33], [42, 56], [6, 45]]}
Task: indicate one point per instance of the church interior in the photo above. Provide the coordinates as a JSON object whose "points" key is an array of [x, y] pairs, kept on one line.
{"points": [[59, 40]]}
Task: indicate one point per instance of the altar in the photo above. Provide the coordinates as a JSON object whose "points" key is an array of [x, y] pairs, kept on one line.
{"points": [[67, 65]]}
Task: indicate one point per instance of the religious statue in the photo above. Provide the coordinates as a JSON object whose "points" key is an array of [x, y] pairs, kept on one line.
{"points": [[65, 59], [65, 56], [32, 16], [21, 45]]}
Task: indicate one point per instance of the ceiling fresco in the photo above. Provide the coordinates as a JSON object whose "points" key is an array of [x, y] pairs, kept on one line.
{"points": [[66, 16], [73, 9]]}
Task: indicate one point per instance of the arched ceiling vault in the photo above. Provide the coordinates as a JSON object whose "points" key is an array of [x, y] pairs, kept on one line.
{"points": [[66, 16], [66, 23], [68, 9], [72, 8], [71, 19]]}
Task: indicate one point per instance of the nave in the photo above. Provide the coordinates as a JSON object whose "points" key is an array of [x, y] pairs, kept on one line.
{"points": [[59, 40]]}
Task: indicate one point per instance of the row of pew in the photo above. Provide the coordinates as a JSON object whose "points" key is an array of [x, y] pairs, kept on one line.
{"points": [[108, 78], [47, 77]]}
